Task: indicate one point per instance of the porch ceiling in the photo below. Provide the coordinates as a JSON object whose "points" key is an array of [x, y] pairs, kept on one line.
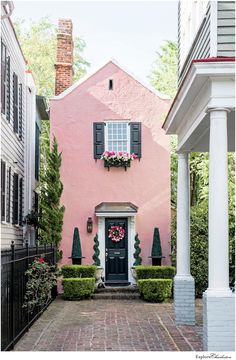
{"points": [[207, 85]]}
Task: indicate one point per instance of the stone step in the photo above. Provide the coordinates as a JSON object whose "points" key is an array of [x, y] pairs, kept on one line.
{"points": [[118, 289], [116, 295]]}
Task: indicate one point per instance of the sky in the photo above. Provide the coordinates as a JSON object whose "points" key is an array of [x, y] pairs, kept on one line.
{"points": [[128, 31]]}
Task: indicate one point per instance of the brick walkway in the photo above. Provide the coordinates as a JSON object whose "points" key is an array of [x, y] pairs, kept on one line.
{"points": [[111, 325]]}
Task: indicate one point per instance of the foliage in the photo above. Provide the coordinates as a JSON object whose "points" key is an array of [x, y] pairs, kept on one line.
{"points": [[138, 259], [199, 245], [78, 288], [32, 218], [41, 279], [155, 272], [39, 43], [96, 254], [78, 271], [155, 290], [156, 245], [163, 74], [51, 212], [76, 246]]}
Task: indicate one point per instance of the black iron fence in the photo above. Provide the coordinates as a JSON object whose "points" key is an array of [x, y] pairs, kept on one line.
{"points": [[16, 320]]}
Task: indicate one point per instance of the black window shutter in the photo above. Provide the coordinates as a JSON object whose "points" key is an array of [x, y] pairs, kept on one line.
{"points": [[8, 92], [15, 103], [98, 139], [136, 138], [3, 77], [20, 111], [3, 189], [9, 196], [21, 202], [15, 209], [37, 134]]}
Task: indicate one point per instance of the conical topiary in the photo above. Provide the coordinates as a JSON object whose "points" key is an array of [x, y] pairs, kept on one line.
{"points": [[138, 259], [156, 245], [96, 254], [76, 254]]}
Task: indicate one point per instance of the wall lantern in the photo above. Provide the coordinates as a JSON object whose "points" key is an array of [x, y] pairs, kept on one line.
{"points": [[89, 225]]}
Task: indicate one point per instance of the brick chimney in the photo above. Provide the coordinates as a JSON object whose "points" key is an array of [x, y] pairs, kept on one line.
{"points": [[64, 64]]}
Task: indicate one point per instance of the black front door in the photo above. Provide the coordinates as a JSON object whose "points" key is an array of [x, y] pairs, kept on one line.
{"points": [[116, 232]]}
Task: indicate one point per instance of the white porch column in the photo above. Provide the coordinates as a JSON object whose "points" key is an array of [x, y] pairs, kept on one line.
{"points": [[218, 300], [184, 289]]}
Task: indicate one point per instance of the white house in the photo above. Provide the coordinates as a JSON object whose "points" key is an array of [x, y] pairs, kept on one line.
{"points": [[18, 136], [202, 115]]}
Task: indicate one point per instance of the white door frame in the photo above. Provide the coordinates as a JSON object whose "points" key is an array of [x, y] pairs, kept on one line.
{"points": [[131, 237]]}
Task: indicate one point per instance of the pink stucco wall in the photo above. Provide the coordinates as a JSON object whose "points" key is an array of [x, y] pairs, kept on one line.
{"points": [[87, 183]]}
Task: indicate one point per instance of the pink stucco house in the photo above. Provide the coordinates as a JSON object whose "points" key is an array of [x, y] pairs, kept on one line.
{"points": [[111, 110]]}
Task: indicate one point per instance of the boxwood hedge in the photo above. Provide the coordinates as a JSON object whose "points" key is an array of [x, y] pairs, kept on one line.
{"points": [[155, 290], [78, 271], [78, 288], [155, 272]]}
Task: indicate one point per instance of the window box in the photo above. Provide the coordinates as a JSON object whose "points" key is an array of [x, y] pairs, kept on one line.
{"points": [[119, 159]]}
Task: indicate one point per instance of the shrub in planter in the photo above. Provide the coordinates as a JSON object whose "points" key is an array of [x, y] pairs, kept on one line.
{"points": [[78, 288], [76, 254], [155, 290], [155, 272], [78, 271]]}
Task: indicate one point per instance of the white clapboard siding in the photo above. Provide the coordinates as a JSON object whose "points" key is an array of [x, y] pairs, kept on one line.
{"points": [[215, 37], [13, 149], [200, 46], [226, 29]]}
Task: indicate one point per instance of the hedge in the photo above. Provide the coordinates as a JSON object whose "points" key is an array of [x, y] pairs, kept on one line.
{"points": [[78, 288], [78, 271], [155, 272], [155, 290]]}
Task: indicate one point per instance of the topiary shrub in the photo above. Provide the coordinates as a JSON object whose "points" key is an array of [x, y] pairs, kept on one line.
{"points": [[78, 271], [138, 259], [155, 272], [155, 290], [96, 254], [156, 244], [79, 288], [76, 254]]}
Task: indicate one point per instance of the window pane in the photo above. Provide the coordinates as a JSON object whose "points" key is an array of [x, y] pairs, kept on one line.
{"points": [[117, 137]]}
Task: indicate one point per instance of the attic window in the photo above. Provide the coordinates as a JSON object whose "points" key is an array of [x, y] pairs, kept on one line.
{"points": [[110, 84]]}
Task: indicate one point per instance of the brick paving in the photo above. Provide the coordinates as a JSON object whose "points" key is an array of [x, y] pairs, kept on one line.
{"points": [[111, 325]]}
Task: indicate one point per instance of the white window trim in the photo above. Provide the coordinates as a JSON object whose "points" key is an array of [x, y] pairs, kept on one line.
{"points": [[127, 122]]}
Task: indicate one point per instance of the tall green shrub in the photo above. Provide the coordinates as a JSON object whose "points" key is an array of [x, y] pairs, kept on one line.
{"points": [[138, 259], [156, 245], [76, 246], [96, 254], [51, 212]]}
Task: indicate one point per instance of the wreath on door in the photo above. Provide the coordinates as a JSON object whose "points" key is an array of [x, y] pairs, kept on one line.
{"points": [[116, 233]]}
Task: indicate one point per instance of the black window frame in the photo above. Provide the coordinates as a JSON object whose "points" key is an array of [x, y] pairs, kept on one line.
{"points": [[15, 200], [3, 190], [8, 205], [15, 103], [37, 151]]}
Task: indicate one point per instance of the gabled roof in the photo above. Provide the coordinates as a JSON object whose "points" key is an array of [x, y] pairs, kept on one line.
{"points": [[113, 61]]}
